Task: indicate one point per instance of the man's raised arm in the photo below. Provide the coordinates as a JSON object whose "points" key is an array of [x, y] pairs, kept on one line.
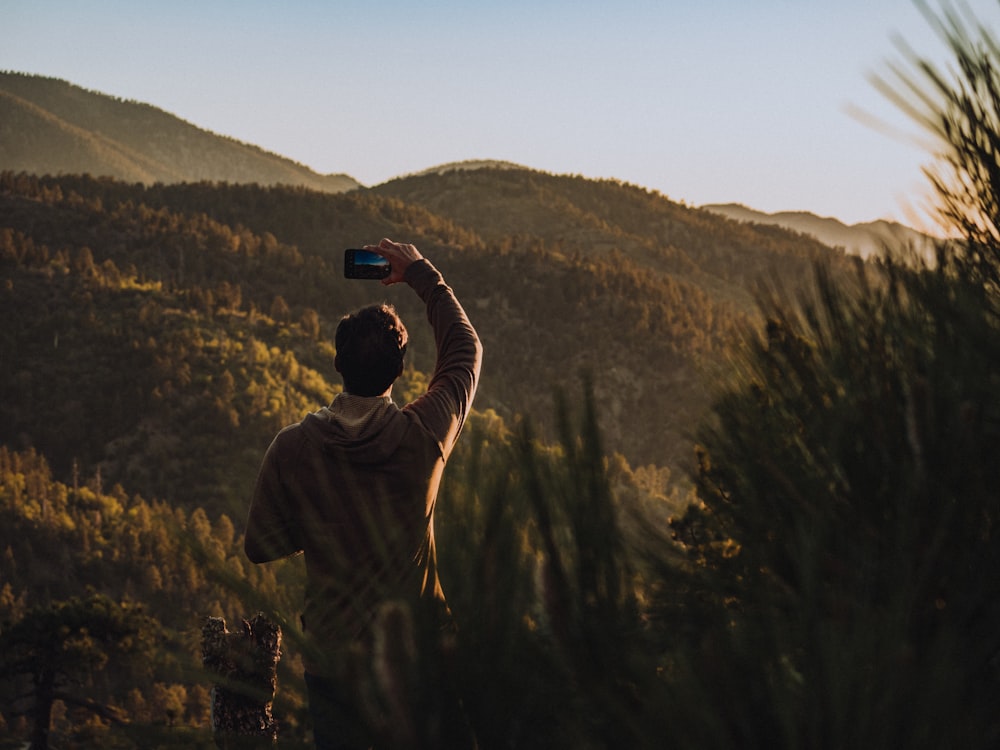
{"points": [[445, 407]]}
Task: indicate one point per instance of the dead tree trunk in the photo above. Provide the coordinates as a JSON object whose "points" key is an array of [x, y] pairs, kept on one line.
{"points": [[244, 665]]}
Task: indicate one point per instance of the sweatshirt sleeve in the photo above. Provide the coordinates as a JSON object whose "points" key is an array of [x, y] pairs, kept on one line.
{"points": [[270, 535], [446, 405]]}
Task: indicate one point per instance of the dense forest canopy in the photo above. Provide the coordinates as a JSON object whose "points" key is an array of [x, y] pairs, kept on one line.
{"points": [[222, 256]]}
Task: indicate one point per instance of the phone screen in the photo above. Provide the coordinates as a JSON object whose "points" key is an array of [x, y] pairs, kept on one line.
{"points": [[364, 264]]}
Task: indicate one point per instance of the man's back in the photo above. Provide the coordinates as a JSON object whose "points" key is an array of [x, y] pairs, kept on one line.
{"points": [[354, 485], [365, 507]]}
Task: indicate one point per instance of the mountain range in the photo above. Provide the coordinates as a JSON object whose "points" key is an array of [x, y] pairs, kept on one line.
{"points": [[869, 239], [51, 126]]}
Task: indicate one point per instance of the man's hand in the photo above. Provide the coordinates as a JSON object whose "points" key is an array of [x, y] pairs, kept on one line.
{"points": [[400, 257]]}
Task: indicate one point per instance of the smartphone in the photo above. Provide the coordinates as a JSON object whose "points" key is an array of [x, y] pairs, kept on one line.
{"points": [[364, 264]]}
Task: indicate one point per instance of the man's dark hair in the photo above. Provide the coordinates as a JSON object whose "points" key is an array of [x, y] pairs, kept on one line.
{"points": [[370, 347]]}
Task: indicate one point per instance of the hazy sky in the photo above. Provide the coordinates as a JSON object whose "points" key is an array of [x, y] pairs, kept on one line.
{"points": [[706, 101]]}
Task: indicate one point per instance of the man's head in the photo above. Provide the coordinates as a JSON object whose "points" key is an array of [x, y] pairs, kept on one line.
{"points": [[370, 348]]}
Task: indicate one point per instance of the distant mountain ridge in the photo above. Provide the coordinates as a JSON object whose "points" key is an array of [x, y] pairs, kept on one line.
{"points": [[50, 126], [866, 239], [469, 165]]}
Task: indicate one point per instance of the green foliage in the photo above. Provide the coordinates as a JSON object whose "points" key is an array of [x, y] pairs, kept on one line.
{"points": [[551, 645], [843, 562], [848, 528], [65, 644], [959, 108]]}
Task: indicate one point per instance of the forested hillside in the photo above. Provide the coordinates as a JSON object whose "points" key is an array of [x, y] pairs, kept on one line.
{"points": [[574, 216], [203, 270], [50, 126]]}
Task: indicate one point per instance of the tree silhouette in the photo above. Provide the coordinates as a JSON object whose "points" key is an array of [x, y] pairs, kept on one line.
{"points": [[844, 554], [959, 108], [59, 648]]}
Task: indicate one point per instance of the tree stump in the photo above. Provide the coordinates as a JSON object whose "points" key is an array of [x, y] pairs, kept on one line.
{"points": [[244, 664]]}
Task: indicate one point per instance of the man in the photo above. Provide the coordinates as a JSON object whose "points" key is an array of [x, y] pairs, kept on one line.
{"points": [[354, 487]]}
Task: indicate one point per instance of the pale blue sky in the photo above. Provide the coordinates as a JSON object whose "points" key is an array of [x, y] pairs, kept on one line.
{"points": [[706, 101]]}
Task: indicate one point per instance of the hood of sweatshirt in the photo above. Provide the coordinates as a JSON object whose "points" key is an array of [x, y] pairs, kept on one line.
{"points": [[366, 429]]}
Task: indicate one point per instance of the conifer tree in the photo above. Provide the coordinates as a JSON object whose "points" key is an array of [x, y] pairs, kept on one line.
{"points": [[59, 648], [846, 552]]}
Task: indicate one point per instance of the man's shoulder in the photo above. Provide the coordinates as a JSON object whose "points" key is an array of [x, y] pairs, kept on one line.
{"points": [[290, 431], [288, 438]]}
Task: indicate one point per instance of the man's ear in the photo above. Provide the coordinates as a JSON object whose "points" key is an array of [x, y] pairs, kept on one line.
{"points": [[336, 362]]}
